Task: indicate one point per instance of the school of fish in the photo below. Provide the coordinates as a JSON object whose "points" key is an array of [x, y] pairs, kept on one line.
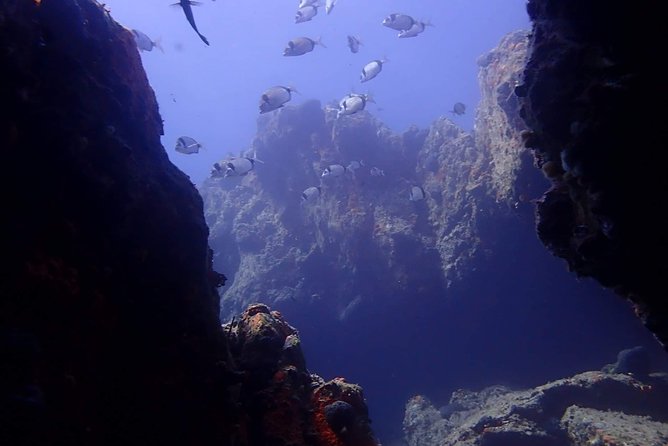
{"points": [[275, 97]]}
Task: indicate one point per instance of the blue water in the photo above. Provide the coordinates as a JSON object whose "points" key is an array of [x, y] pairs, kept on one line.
{"points": [[521, 325], [212, 93]]}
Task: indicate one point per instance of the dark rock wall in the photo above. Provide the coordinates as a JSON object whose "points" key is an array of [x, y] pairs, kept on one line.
{"points": [[592, 97], [108, 317]]}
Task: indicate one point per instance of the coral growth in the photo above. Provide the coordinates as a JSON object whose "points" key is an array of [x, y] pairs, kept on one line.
{"points": [[285, 404]]}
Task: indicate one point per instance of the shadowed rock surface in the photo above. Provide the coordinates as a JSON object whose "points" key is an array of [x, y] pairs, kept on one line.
{"points": [[109, 329], [108, 314], [586, 409], [589, 94]]}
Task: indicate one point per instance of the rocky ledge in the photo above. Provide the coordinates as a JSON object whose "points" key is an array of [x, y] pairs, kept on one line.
{"points": [[622, 405]]}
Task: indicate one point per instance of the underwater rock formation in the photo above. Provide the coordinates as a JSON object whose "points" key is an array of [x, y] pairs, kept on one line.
{"points": [[281, 403], [109, 329], [588, 95], [363, 229], [498, 125], [589, 408]]}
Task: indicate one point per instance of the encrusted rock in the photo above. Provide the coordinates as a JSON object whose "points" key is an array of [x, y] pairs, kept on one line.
{"points": [[543, 415], [591, 427], [284, 404]]}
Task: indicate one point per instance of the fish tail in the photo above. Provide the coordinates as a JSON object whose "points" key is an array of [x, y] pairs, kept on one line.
{"points": [[158, 44]]}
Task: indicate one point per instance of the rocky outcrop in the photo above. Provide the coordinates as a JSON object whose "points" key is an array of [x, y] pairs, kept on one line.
{"points": [[588, 89], [108, 324], [588, 408], [279, 401], [109, 329], [498, 126], [363, 228]]}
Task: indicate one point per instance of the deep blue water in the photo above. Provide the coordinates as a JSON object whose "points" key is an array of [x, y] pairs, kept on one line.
{"points": [[516, 325]]}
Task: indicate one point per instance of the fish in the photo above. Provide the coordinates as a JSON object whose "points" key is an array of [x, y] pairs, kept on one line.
{"points": [[372, 69], [275, 98], [354, 44], [417, 193], [187, 145], [306, 13], [354, 165], [302, 45], [399, 22], [416, 29], [377, 172], [311, 193], [188, 11], [329, 5], [304, 3], [458, 109], [234, 167], [333, 170], [353, 103], [144, 42]]}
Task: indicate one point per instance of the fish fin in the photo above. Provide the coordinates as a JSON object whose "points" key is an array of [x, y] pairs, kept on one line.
{"points": [[194, 3], [255, 158], [292, 89], [158, 44], [319, 42], [204, 39]]}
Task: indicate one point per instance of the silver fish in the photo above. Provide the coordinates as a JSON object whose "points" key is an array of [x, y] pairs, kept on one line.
{"points": [[144, 42], [354, 44], [306, 13], [353, 103], [187, 145], [354, 165], [399, 22], [275, 98], [302, 45], [311, 193], [329, 5], [372, 69], [304, 3], [333, 170], [417, 28], [377, 172], [417, 193]]}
